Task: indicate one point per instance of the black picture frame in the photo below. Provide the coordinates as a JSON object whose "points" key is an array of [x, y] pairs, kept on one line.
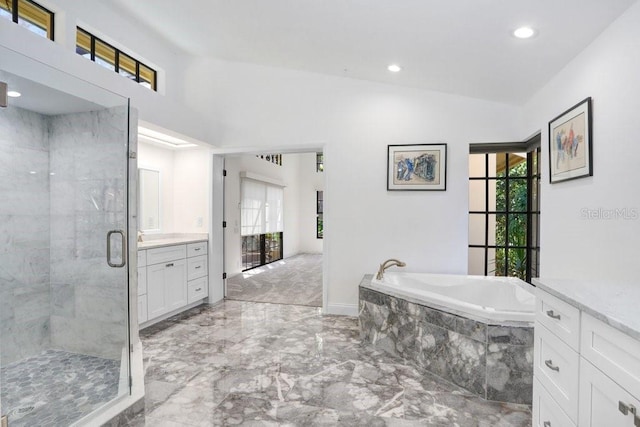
{"points": [[571, 143]]}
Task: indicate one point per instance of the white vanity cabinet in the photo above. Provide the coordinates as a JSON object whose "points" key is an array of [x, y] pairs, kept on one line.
{"points": [[586, 373], [197, 272], [166, 279], [171, 279], [142, 286]]}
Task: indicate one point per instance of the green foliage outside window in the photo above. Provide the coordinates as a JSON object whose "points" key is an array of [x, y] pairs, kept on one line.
{"points": [[516, 235]]}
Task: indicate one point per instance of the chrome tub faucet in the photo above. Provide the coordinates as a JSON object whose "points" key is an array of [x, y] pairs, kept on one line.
{"points": [[388, 263]]}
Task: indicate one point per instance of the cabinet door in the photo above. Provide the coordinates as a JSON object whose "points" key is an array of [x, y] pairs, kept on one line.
{"points": [[546, 412], [142, 280], [601, 399], [142, 309], [156, 296], [176, 284]]}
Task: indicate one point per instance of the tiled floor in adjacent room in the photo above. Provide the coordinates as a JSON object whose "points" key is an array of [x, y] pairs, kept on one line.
{"points": [[247, 363], [295, 280]]}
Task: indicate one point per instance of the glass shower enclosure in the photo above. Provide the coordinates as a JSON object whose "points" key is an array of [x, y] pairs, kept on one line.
{"points": [[64, 299]]}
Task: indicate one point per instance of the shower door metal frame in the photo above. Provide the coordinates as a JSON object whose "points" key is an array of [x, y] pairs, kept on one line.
{"points": [[125, 220]]}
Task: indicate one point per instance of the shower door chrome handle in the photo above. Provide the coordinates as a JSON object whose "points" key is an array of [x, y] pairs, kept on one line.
{"points": [[124, 249]]}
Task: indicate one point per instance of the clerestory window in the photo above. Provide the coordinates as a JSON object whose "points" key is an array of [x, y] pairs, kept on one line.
{"points": [[102, 53], [30, 15]]}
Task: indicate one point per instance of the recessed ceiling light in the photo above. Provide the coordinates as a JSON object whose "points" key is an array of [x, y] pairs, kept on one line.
{"points": [[394, 68], [13, 94], [524, 32]]}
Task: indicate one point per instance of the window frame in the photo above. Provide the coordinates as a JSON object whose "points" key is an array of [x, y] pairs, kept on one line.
{"points": [[94, 40], [16, 17], [532, 211]]}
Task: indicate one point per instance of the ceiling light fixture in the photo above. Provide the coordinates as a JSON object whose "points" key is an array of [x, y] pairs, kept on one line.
{"points": [[524, 32], [394, 68], [13, 94]]}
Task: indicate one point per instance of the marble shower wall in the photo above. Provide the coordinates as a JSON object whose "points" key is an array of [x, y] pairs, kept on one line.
{"points": [[24, 234], [492, 361], [88, 195]]}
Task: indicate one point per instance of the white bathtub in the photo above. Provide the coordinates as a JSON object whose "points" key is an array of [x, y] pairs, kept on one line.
{"points": [[492, 300]]}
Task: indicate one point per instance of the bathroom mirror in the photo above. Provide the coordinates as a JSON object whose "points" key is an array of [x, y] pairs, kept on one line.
{"points": [[149, 195]]}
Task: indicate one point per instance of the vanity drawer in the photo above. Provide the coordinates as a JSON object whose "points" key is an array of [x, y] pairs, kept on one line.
{"points": [[195, 249], [165, 254], [556, 365], [142, 258], [196, 267], [613, 352], [197, 290], [546, 412], [559, 317]]}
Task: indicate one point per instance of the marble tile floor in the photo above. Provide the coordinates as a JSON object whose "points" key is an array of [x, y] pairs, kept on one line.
{"points": [[295, 280], [258, 364], [57, 388]]}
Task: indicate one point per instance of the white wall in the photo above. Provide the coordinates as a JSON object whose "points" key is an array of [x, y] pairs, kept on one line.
{"points": [[184, 186], [191, 190], [355, 121], [166, 108], [310, 182], [571, 244], [156, 158], [247, 105]]}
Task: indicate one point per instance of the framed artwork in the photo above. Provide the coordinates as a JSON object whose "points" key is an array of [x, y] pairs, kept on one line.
{"points": [[571, 143], [417, 167]]}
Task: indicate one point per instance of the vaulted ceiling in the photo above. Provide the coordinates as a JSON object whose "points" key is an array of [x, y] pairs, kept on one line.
{"points": [[456, 46]]}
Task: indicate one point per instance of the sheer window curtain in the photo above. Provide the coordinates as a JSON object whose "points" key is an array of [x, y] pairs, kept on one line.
{"points": [[261, 208]]}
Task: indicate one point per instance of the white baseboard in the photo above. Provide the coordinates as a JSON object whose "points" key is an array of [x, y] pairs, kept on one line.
{"points": [[170, 314], [342, 309]]}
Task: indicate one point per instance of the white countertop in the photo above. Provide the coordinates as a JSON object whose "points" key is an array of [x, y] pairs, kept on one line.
{"points": [[159, 241], [615, 303]]}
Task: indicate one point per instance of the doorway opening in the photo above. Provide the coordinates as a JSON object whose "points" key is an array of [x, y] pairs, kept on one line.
{"points": [[504, 209], [273, 252]]}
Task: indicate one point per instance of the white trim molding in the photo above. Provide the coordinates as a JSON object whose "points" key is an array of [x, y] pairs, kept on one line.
{"points": [[342, 309], [256, 177]]}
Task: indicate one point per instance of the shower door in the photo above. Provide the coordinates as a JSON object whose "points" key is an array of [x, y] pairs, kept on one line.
{"points": [[64, 334]]}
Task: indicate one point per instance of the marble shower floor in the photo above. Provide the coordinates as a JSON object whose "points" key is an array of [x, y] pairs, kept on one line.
{"points": [[57, 388], [247, 363], [295, 280]]}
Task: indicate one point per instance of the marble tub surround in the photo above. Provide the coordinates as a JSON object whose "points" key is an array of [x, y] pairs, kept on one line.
{"points": [[170, 239], [494, 362], [270, 364], [612, 301], [293, 280]]}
